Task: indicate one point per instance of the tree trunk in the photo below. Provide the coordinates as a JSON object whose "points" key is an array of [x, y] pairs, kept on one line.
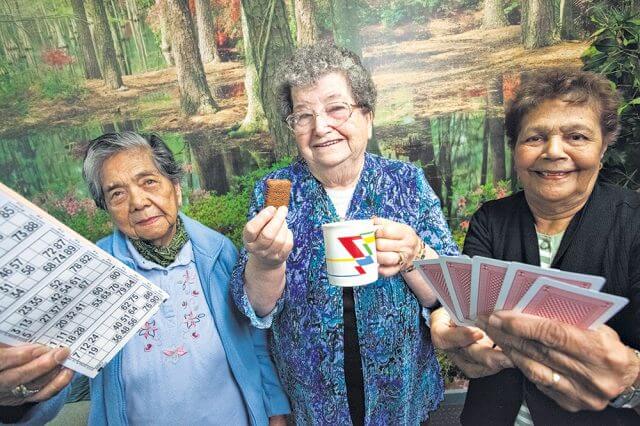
{"points": [[104, 44], [345, 17], [254, 120], [269, 46], [91, 66], [306, 28], [119, 44], [494, 16], [133, 16], [485, 150], [495, 130], [195, 96], [539, 26], [165, 45], [568, 27], [206, 32]]}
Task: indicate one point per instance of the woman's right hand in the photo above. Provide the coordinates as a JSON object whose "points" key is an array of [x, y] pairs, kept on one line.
{"points": [[467, 347], [36, 367], [267, 237]]}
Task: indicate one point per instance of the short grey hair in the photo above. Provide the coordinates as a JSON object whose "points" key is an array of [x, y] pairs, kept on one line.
{"points": [[104, 147], [310, 63]]}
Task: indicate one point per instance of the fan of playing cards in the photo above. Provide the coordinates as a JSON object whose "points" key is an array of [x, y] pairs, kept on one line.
{"points": [[469, 287]]}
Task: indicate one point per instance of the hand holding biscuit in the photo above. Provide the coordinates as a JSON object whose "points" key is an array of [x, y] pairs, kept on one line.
{"points": [[268, 238]]}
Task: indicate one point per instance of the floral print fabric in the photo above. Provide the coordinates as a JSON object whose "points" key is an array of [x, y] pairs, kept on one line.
{"points": [[401, 374]]}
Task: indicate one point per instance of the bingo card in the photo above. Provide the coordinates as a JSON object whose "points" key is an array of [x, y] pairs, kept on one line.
{"points": [[58, 289]]}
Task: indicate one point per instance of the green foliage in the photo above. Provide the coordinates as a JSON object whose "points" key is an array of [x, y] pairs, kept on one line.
{"points": [[14, 89], [394, 12], [79, 214], [154, 97], [469, 203], [615, 53], [60, 85], [227, 213]]}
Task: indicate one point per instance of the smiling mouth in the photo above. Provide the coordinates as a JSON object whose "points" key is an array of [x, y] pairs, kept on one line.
{"points": [[552, 175], [328, 143], [148, 221]]}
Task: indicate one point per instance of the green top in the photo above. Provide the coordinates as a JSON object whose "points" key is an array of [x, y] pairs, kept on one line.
{"points": [[548, 246]]}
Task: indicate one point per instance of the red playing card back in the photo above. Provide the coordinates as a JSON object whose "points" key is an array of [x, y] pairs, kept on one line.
{"points": [[571, 308], [522, 282], [436, 278], [489, 285], [460, 274]]}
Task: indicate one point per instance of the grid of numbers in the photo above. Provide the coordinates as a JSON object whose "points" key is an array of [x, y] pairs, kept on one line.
{"points": [[57, 291]]}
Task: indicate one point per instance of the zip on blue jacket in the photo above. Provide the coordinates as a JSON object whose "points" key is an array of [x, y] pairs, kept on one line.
{"points": [[245, 346]]}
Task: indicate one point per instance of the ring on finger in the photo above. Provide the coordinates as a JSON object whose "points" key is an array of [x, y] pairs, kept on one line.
{"points": [[21, 391], [402, 258], [555, 377]]}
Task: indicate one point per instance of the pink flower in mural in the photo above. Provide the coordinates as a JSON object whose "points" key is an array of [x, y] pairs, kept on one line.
{"points": [[464, 225], [462, 203], [148, 329], [192, 319], [501, 193], [188, 168], [57, 58]]}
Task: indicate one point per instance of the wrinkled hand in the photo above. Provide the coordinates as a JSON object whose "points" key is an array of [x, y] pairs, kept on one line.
{"points": [[395, 242], [280, 420], [579, 369], [36, 367], [267, 237], [468, 347]]}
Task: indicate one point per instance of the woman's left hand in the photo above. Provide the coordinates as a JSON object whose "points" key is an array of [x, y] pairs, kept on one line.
{"points": [[396, 244], [579, 369]]}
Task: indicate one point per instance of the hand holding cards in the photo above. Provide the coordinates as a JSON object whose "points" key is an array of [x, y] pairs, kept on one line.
{"points": [[468, 287]]}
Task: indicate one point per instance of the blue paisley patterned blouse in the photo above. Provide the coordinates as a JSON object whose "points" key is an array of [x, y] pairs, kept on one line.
{"points": [[402, 378]]}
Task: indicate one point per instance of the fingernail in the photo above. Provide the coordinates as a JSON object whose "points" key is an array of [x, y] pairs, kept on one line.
{"points": [[61, 355]]}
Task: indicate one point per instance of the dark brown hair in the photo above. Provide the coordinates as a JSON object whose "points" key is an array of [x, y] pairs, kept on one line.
{"points": [[573, 86]]}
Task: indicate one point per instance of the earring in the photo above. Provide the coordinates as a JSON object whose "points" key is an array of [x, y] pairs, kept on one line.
{"points": [[600, 168]]}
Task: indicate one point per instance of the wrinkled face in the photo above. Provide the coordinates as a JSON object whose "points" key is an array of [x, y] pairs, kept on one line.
{"points": [[143, 203], [325, 146], [558, 151]]}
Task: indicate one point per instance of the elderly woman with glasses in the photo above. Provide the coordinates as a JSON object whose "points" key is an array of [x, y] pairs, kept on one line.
{"points": [[345, 355], [195, 361]]}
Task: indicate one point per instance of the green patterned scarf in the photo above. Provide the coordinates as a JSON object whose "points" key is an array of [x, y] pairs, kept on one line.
{"points": [[163, 256]]}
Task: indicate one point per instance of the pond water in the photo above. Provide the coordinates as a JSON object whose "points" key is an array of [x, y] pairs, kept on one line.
{"points": [[449, 149]]}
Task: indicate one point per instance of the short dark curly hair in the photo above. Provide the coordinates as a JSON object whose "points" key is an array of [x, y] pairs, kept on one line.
{"points": [[570, 85], [310, 63]]}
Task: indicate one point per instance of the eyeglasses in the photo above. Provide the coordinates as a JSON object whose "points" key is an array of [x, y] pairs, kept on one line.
{"points": [[336, 113]]}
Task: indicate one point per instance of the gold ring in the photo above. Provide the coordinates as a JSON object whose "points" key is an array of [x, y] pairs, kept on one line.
{"points": [[21, 391], [402, 258]]}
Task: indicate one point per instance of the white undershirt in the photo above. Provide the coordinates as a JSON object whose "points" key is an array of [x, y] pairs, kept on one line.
{"points": [[341, 198]]}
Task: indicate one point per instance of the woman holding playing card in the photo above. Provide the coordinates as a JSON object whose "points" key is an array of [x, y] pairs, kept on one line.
{"points": [[559, 126]]}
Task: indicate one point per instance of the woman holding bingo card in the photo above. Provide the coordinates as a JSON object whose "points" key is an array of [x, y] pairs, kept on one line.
{"points": [[197, 358], [559, 125], [345, 354]]}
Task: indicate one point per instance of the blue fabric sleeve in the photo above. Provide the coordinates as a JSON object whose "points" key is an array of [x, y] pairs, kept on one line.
{"points": [[238, 292], [275, 400]]}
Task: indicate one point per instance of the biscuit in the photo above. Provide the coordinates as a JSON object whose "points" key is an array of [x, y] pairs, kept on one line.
{"points": [[278, 192]]}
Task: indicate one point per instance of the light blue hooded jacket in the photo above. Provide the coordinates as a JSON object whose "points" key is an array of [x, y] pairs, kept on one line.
{"points": [[245, 346]]}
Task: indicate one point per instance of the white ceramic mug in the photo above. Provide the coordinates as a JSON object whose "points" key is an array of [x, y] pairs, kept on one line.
{"points": [[350, 252]]}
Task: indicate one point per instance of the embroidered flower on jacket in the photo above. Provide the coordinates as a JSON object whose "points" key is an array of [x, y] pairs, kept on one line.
{"points": [[148, 329], [192, 319], [175, 354]]}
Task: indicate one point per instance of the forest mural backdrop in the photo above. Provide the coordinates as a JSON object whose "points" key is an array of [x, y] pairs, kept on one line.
{"points": [[199, 73]]}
